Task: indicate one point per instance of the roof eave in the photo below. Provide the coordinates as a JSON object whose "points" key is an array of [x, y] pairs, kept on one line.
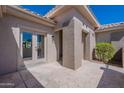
{"points": [[21, 13], [95, 21], [81, 8], [56, 11]]}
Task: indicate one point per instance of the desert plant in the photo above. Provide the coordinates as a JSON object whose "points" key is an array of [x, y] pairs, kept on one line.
{"points": [[104, 52]]}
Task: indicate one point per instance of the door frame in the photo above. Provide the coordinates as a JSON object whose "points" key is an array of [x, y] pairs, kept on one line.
{"points": [[38, 33], [34, 43], [22, 46]]}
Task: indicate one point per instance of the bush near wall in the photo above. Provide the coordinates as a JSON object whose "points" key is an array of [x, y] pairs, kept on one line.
{"points": [[104, 52]]}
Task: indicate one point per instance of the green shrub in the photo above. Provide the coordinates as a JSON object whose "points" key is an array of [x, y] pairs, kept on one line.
{"points": [[104, 52]]}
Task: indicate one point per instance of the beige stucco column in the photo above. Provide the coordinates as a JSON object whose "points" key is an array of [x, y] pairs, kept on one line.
{"points": [[16, 33], [51, 51], [72, 44], [34, 47]]}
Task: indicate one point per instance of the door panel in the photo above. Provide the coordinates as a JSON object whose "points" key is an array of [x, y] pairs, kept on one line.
{"points": [[27, 45], [40, 46], [32, 46]]}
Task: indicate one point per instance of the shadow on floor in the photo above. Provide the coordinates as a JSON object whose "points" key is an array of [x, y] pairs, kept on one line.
{"points": [[20, 79], [111, 79]]}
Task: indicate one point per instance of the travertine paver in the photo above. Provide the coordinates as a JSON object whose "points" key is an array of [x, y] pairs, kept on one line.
{"points": [[54, 75], [89, 75]]}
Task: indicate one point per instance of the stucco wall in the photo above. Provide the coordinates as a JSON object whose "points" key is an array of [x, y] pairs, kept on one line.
{"points": [[10, 47], [73, 42], [68, 15], [51, 48], [90, 45], [57, 45], [78, 43], [11, 28], [64, 20], [103, 37], [8, 54], [115, 37], [68, 46]]}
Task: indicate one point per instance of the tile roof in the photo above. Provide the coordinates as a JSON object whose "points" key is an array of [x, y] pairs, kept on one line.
{"points": [[107, 26], [32, 12]]}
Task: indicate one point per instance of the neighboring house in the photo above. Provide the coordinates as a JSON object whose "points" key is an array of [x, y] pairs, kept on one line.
{"points": [[65, 34], [113, 33]]}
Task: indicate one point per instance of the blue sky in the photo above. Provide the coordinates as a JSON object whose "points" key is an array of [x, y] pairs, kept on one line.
{"points": [[104, 14], [108, 14], [40, 9]]}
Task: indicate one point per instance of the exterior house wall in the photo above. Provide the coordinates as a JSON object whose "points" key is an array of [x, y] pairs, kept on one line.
{"points": [[10, 46], [64, 19], [73, 44], [8, 55], [68, 15], [68, 46], [74, 25], [103, 37], [78, 43], [90, 45], [114, 37], [57, 45]]}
